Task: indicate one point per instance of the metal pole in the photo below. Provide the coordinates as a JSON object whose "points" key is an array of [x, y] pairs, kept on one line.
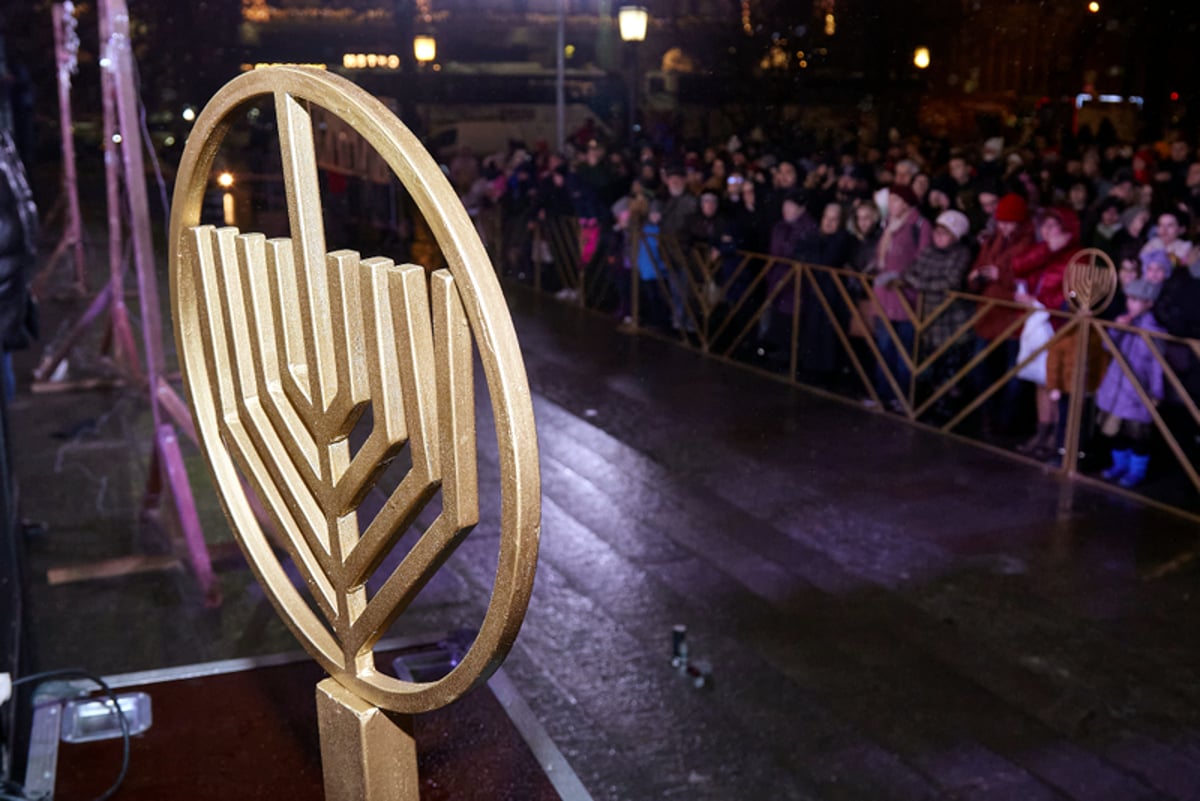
{"points": [[117, 50], [65, 60], [118, 313], [635, 274], [166, 461], [633, 93], [1075, 409], [560, 78]]}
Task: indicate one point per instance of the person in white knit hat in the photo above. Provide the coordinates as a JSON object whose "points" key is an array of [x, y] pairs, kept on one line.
{"points": [[939, 269]]}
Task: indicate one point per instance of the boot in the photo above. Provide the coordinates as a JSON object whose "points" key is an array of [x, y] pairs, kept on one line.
{"points": [[1138, 463], [1040, 442], [1120, 465]]}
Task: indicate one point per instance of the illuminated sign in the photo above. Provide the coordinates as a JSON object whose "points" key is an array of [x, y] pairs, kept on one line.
{"points": [[371, 61]]}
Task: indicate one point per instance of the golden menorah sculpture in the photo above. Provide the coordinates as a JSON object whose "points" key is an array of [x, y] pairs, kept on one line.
{"points": [[1090, 280], [284, 347]]}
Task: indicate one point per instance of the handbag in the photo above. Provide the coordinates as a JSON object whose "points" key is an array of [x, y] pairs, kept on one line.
{"points": [[1036, 332]]}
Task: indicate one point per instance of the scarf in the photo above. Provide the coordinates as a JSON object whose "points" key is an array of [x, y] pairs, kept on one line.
{"points": [[885, 241]]}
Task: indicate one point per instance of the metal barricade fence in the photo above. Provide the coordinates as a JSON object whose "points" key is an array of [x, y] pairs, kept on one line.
{"points": [[576, 255], [755, 308], [723, 306]]}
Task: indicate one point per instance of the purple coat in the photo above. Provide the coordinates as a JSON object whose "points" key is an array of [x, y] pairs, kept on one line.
{"points": [[1117, 394]]}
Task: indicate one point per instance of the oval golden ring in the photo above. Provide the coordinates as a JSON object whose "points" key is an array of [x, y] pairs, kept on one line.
{"points": [[491, 328]]}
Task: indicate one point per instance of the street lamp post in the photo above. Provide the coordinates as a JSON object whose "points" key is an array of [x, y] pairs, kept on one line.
{"points": [[633, 20]]}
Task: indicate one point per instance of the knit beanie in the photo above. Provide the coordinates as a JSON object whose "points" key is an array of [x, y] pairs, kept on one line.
{"points": [[955, 222], [906, 194], [1160, 257], [1012, 208], [1141, 289]]}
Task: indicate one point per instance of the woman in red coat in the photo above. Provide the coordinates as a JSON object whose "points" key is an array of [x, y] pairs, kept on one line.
{"points": [[992, 277], [1039, 273]]}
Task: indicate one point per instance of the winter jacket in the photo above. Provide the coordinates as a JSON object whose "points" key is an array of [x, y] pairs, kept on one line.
{"points": [[677, 210], [787, 242], [907, 240], [1117, 394], [649, 260], [1001, 251], [825, 250], [935, 273], [18, 237], [1043, 269], [1178, 310]]}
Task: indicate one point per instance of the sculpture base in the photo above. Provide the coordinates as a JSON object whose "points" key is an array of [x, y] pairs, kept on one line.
{"points": [[248, 730]]}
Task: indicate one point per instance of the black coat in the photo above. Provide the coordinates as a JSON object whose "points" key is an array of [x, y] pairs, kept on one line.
{"points": [[820, 349], [18, 237], [1178, 311]]}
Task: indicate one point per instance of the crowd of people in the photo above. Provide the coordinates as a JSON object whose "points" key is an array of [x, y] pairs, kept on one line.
{"points": [[916, 219]]}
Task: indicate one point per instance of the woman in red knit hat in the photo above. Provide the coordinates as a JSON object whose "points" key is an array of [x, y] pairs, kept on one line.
{"points": [[992, 276]]}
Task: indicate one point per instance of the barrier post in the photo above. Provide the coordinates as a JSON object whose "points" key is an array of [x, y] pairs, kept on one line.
{"points": [[635, 253], [1075, 421], [1089, 283], [798, 272], [536, 257]]}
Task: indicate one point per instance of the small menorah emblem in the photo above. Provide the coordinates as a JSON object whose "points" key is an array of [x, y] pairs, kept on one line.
{"points": [[285, 346], [1090, 280]]}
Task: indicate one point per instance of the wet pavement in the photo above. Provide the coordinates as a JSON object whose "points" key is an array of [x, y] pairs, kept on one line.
{"points": [[886, 613]]}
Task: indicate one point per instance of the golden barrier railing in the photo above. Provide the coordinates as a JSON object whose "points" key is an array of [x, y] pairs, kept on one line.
{"points": [[562, 239], [718, 303]]}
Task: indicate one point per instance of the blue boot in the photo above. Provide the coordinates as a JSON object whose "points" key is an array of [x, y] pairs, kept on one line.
{"points": [[1120, 465], [1137, 470]]}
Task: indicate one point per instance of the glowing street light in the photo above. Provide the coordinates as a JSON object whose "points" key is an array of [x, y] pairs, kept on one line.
{"points": [[921, 57], [632, 20], [1094, 7], [424, 48]]}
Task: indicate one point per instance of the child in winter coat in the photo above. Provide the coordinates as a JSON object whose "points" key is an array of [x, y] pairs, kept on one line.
{"points": [[1122, 414], [651, 270]]}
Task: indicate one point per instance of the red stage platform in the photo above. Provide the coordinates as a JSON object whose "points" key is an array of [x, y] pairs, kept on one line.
{"points": [[247, 729]]}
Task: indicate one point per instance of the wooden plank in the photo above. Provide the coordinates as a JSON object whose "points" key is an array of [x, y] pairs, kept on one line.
{"points": [[110, 568], [75, 385]]}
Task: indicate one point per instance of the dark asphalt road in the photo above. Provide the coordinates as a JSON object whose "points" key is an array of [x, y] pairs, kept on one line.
{"points": [[888, 614]]}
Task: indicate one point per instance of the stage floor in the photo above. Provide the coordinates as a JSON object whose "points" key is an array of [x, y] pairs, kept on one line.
{"points": [[247, 729], [888, 614]]}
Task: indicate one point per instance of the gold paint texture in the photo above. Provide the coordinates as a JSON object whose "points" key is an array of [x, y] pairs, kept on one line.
{"points": [[1090, 280], [366, 753], [285, 346]]}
